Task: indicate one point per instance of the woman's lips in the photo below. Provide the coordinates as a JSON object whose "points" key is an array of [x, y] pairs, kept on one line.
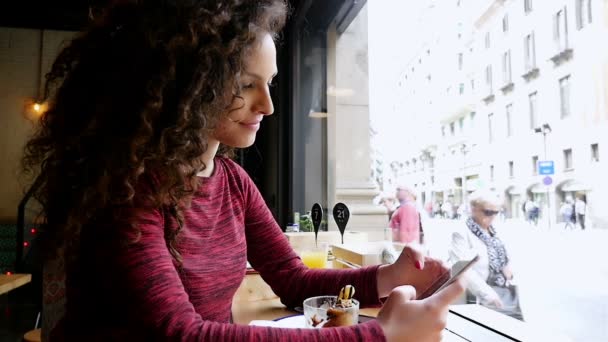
{"points": [[254, 125]]}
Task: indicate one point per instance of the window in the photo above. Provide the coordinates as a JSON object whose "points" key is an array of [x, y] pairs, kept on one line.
{"points": [[508, 117], [529, 52], [560, 30], [489, 90], [534, 165], [527, 6], [461, 88], [491, 127], [595, 153], [568, 159], [460, 61], [564, 93], [583, 13], [506, 67], [532, 105]]}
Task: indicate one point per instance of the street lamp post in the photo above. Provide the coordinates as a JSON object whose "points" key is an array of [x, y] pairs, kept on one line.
{"points": [[544, 130], [464, 149]]}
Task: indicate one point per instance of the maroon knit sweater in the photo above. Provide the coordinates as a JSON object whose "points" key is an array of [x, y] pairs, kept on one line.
{"points": [[139, 293]]}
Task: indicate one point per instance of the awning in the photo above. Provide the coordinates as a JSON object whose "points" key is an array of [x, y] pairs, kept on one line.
{"points": [[515, 190], [574, 185], [538, 188]]}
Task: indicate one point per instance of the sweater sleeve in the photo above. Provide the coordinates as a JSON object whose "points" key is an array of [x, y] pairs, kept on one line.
{"points": [[157, 295]]}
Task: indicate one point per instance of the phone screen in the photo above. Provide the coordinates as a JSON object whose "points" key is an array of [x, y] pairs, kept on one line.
{"points": [[449, 277]]}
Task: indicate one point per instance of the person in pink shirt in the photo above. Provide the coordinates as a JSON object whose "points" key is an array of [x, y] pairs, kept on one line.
{"points": [[405, 221], [151, 219]]}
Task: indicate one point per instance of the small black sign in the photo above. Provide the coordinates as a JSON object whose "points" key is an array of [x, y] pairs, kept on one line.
{"points": [[317, 216], [341, 216]]}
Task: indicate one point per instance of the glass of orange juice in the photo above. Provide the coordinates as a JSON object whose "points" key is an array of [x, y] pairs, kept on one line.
{"points": [[315, 256]]}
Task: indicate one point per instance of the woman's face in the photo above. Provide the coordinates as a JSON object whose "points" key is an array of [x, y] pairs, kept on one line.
{"points": [[239, 126], [484, 213]]}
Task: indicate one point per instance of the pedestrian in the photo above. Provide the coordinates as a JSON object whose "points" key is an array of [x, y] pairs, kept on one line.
{"points": [[491, 282], [406, 222], [152, 220], [568, 214], [580, 207]]}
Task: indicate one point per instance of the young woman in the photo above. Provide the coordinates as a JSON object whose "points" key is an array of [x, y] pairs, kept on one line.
{"points": [[152, 220]]}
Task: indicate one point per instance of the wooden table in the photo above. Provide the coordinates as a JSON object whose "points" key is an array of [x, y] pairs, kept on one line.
{"points": [[255, 300], [13, 281]]}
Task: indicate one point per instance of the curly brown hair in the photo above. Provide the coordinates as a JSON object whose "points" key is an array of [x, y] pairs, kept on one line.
{"points": [[133, 98]]}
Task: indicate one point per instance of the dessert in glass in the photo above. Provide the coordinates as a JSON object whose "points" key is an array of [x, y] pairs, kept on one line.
{"points": [[332, 311]]}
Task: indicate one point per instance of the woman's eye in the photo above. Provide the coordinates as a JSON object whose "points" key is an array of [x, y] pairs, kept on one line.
{"points": [[247, 86]]}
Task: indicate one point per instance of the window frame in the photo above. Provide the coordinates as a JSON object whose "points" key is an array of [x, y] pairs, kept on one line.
{"points": [[565, 97]]}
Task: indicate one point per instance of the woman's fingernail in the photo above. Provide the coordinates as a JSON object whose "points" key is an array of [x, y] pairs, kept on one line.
{"points": [[418, 264]]}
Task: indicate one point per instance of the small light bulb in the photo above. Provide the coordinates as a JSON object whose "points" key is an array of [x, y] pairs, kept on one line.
{"points": [[37, 107]]}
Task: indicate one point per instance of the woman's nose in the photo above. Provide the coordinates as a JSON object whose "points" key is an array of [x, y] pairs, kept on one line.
{"points": [[264, 104]]}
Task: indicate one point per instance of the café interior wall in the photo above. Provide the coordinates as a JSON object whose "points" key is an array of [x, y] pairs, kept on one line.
{"points": [[21, 81]]}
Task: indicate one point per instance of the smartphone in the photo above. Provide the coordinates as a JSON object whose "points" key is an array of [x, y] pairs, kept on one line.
{"points": [[449, 277]]}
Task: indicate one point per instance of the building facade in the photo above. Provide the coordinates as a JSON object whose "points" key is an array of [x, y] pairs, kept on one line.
{"points": [[515, 83]]}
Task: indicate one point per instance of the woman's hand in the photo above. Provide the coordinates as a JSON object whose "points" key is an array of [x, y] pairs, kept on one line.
{"points": [[411, 268], [405, 319]]}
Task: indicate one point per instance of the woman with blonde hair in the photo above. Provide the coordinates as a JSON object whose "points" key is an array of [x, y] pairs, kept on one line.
{"points": [[491, 283]]}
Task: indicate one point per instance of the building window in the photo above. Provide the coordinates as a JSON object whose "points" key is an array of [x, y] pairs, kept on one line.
{"points": [[505, 23], [472, 84], [443, 131], [564, 93], [509, 118], [461, 88], [491, 172], [506, 67], [489, 80], [560, 30], [533, 107], [452, 129], [535, 165], [460, 60], [595, 153], [472, 120], [487, 40], [527, 6], [529, 52], [583, 13], [568, 159], [461, 124], [511, 169], [491, 127]]}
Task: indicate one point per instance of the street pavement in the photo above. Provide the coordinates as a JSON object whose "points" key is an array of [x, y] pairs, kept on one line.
{"points": [[562, 274]]}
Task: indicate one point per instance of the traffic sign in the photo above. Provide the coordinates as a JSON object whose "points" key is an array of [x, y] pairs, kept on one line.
{"points": [[547, 180], [546, 167]]}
